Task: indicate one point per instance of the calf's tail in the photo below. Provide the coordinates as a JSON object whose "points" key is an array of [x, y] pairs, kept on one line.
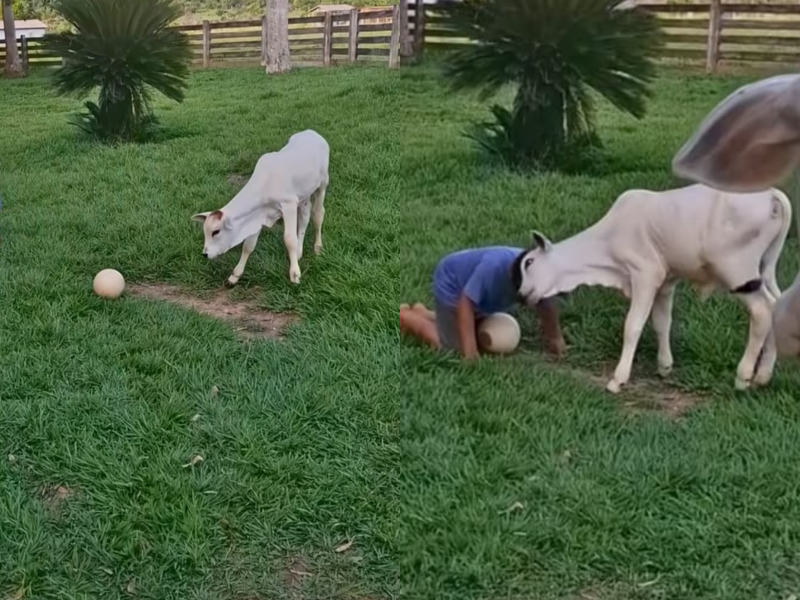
{"points": [[773, 253]]}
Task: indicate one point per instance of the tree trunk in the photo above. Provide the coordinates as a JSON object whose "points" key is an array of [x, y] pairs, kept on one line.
{"points": [[278, 59], [13, 67], [405, 39]]}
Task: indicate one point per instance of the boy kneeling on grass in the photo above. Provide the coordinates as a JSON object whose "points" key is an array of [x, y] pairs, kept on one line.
{"points": [[468, 286]]}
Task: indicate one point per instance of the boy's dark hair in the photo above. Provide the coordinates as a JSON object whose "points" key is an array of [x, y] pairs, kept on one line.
{"points": [[516, 269]]}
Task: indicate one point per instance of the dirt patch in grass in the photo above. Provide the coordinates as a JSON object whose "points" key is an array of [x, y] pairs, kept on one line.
{"points": [[636, 590], [249, 321], [238, 181], [54, 496], [600, 593], [294, 573], [649, 395], [642, 394]]}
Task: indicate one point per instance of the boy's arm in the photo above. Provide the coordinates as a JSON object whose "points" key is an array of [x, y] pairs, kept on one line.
{"points": [[466, 327], [549, 322], [472, 294]]}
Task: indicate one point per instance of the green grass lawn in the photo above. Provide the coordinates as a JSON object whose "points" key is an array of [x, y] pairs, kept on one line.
{"points": [[510, 479]]}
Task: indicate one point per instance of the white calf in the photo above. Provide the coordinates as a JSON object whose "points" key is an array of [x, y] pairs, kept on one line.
{"points": [[649, 240], [283, 185], [749, 142]]}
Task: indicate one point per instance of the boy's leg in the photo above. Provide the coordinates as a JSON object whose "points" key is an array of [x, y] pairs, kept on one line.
{"points": [[438, 329], [423, 310], [420, 309], [419, 326], [446, 321], [551, 327]]}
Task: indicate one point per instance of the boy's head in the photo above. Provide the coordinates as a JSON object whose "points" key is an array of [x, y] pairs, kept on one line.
{"points": [[531, 272]]}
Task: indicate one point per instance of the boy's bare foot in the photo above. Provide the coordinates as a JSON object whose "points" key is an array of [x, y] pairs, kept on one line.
{"points": [[404, 307], [424, 311]]}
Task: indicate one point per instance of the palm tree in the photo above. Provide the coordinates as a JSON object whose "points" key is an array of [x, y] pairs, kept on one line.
{"points": [[127, 50], [553, 52], [13, 67]]}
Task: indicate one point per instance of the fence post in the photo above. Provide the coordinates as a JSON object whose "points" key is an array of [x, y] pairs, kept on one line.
{"points": [[352, 46], [264, 41], [394, 41], [206, 44], [714, 35], [405, 37], [327, 40], [23, 41], [419, 29]]}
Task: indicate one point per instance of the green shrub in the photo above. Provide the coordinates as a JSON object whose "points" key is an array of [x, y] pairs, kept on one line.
{"points": [[553, 52], [126, 50]]}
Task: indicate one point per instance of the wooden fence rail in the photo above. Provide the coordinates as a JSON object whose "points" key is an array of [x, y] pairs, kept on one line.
{"points": [[349, 36], [713, 32]]}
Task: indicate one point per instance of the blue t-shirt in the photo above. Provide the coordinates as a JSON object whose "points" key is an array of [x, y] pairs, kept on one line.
{"points": [[483, 274]]}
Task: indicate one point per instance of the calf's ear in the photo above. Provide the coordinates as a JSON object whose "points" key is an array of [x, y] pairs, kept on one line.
{"points": [[538, 240], [200, 217], [749, 142]]}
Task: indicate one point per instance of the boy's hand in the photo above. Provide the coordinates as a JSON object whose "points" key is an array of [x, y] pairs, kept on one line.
{"points": [[471, 356], [557, 347]]}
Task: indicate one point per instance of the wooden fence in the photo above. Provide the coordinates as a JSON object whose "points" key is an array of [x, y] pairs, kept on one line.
{"points": [[327, 39], [713, 32]]}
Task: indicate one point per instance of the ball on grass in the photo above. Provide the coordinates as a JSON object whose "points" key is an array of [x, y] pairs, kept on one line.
{"points": [[499, 333], [109, 283]]}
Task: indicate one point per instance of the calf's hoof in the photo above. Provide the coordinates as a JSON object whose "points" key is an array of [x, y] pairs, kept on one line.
{"points": [[231, 281], [294, 276], [664, 371], [614, 386], [317, 249], [762, 378], [741, 384]]}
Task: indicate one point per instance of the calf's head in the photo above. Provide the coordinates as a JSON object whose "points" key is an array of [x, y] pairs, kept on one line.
{"points": [[749, 142], [534, 273], [219, 235]]}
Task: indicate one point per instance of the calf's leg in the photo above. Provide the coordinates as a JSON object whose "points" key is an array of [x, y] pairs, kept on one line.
{"points": [[643, 292], [765, 364], [786, 322], [290, 210], [759, 307], [319, 216], [247, 249], [662, 323], [304, 215]]}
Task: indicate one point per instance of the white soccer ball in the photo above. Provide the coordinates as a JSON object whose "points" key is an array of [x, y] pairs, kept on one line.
{"points": [[109, 283], [499, 333]]}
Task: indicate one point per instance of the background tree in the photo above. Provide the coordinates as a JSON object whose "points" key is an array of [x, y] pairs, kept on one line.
{"points": [[553, 52], [13, 66], [278, 59], [127, 50]]}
